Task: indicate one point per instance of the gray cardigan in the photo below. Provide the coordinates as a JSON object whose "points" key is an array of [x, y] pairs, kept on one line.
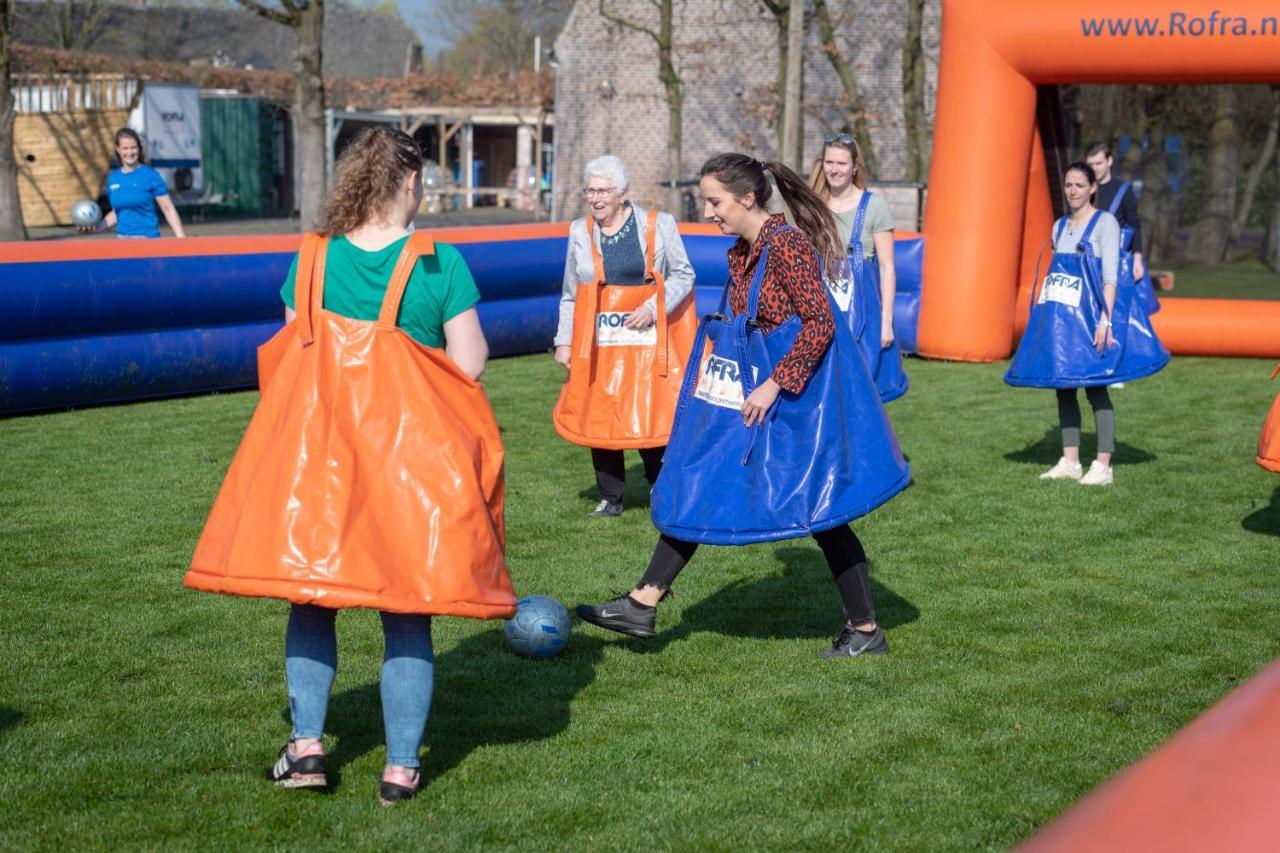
{"points": [[669, 259]]}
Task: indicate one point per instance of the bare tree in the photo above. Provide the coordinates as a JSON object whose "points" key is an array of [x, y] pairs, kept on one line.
{"points": [[1211, 233], [495, 36], [852, 95], [913, 106], [671, 83], [1260, 164], [73, 25], [306, 17], [1158, 207], [11, 227]]}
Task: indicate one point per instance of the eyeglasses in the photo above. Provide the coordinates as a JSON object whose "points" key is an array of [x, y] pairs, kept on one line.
{"points": [[592, 192], [842, 138]]}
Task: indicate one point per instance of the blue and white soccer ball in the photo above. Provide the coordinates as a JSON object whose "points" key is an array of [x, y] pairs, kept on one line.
{"points": [[86, 213], [540, 627]]}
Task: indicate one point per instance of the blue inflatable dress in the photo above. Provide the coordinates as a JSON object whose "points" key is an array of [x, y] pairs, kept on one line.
{"points": [[1057, 351], [1145, 292], [820, 458], [857, 296]]}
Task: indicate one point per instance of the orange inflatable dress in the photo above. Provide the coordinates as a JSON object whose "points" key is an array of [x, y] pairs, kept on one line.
{"points": [[370, 474], [1269, 442], [623, 384]]}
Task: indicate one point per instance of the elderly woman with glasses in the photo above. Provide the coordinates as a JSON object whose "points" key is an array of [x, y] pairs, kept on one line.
{"points": [[626, 327]]}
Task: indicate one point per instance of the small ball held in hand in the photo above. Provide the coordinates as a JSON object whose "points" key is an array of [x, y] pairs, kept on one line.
{"points": [[86, 213], [540, 628]]}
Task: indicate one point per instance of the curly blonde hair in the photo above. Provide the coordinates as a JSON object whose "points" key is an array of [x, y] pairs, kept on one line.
{"points": [[367, 177]]}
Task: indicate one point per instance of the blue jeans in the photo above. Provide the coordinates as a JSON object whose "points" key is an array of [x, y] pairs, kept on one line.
{"points": [[408, 676]]}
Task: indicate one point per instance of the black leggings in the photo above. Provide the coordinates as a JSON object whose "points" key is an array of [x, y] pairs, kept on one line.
{"points": [[611, 470], [1103, 415], [840, 545]]}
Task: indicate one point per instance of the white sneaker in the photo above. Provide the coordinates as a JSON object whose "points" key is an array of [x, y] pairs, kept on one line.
{"points": [[1099, 475], [1064, 470], [1116, 385]]}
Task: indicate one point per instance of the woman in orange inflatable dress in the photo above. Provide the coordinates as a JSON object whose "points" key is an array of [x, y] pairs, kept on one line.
{"points": [[1269, 440], [625, 357], [371, 473]]}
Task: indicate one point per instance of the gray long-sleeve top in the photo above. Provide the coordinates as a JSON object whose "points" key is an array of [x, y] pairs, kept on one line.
{"points": [[669, 259], [1105, 242]]}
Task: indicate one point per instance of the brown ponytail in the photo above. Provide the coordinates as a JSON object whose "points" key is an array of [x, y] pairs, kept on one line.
{"points": [[741, 174], [367, 177]]}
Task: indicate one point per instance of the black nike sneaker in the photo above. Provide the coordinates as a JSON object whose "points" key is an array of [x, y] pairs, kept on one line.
{"points": [[852, 643], [622, 614]]}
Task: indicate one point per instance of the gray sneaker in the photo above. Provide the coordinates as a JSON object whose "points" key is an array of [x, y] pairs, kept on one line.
{"points": [[604, 509], [852, 643], [621, 614]]}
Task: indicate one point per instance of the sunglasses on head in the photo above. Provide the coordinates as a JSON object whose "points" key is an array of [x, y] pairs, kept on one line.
{"points": [[842, 138]]}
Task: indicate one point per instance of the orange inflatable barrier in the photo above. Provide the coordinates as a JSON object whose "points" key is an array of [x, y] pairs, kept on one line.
{"points": [[623, 384], [1269, 440], [370, 474], [984, 230], [1211, 787]]}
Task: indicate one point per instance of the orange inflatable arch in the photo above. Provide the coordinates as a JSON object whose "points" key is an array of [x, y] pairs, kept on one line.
{"points": [[989, 210]]}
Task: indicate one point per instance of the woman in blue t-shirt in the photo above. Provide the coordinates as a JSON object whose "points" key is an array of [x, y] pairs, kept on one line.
{"points": [[135, 189]]}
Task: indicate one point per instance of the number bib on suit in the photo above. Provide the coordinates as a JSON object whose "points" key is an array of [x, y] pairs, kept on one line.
{"points": [[622, 385], [858, 298], [370, 474], [1057, 351], [820, 458]]}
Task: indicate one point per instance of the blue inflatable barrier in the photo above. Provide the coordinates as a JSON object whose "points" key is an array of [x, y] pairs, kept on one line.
{"points": [[95, 321]]}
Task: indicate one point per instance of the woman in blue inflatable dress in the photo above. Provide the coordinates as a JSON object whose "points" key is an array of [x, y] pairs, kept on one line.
{"points": [[779, 431], [863, 289], [1087, 328]]}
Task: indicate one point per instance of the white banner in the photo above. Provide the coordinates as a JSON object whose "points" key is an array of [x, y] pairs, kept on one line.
{"points": [[610, 331], [1062, 288]]}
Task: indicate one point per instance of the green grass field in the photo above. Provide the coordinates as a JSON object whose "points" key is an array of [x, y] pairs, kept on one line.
{"points": [[1043, 635], [1243, 279]]}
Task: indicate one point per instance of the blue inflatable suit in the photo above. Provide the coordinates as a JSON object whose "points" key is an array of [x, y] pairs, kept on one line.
{"points": [[820, 458], [1057, 351]]}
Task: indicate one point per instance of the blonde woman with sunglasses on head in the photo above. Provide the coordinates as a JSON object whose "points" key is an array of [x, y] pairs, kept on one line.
{"points": [[864, 290]]}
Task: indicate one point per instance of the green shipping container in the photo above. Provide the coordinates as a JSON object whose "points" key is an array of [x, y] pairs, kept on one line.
{"points": [[236, 147]]}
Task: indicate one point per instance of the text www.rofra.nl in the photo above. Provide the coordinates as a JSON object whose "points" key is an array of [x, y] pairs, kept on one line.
{"points": [[1181, 24]]}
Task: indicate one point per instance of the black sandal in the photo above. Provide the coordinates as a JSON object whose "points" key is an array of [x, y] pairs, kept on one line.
{"points": [[391, 792], [292, 771]]}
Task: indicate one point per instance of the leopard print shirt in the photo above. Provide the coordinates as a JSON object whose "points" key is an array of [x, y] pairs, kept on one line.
{"points": [[792, 285]]}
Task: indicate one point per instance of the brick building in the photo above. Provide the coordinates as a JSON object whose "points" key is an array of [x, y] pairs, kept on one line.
{"points": [[609, 98]]}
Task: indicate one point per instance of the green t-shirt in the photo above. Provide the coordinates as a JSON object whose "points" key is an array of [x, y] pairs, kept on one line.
{"points": [[439, 289], [878, 219]]}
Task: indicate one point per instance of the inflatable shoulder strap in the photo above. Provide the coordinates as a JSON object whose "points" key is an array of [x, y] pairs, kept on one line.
{"points": [[1115, 202], [418, 244], [308, 284], [651, 274], [597, 260], [1083, 245]]}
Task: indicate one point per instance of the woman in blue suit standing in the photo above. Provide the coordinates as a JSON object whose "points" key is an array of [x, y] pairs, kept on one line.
{"points": [[864, 291], [135, 190]]}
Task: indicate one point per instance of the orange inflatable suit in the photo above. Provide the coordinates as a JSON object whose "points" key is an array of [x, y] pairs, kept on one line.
{"points": [[370, 474], [623, 384], [1269, 442]]}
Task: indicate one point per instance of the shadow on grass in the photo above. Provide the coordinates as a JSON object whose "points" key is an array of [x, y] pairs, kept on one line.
{"points": [[10, 717], [1265, 520], [1048, 450], [799, 603], [484, 695]]}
